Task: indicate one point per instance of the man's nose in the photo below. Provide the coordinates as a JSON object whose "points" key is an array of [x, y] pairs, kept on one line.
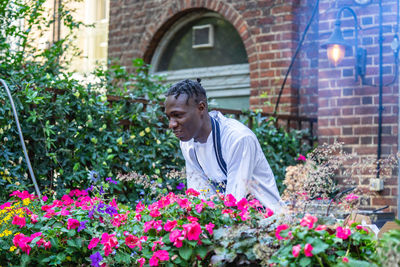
{"points": [[172, 123]]}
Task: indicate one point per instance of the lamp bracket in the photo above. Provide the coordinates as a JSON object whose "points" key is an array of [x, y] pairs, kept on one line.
{"points": [[361, 62]]}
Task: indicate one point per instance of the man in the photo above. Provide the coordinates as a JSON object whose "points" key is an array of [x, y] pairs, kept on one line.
{"points": [[220, 153]]}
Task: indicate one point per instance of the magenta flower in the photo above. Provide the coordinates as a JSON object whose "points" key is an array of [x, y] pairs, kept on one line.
{"points": [[301, 158], [192, 230], [72, 223], [176, 238], [160, 255], [19, 221], [343, 233], [180, 186], [351, 197], [296, 250], [133, 241], [320, 227], [268, 213], [141, 262], [308, 221], [308, 250], [93, 243], [345, 259], [230, 200], [199, 208], [243, 204], [280, 228], [210, 227], [34, 218], [169, 225], [192, 192]]}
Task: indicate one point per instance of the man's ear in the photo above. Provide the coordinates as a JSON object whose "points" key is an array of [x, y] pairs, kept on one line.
{"points": [[202, 106]]}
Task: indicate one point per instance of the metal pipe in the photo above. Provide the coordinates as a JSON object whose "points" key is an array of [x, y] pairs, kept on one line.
{"points": [[380, 108], [21, 138]]}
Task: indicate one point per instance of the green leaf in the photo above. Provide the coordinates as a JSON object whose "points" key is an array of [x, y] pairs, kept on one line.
{"points": [[185, 252], [71, 243], [305, 262], [202, 251]]}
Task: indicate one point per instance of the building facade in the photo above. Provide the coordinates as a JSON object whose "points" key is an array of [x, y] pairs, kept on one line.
{"points": [[242, 49]]}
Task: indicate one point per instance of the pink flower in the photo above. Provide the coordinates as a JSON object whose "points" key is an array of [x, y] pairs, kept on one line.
{"points": [[47, 245], [230, 200], [321, 227], [192, 230], [244, 215], [155, 213], [192, 192], [49, 213], [351, 197], [169, 225], [307, 250], [268, 213], [160, 255], [192, 219], [155, 243], [19, 221], [199, 208], [308, 221], [132, 241], [184, 203], [243, 204], [296, 250], [34, 218], [227, 211], [141, 261], [359, 227], [280, 228], [345, 259], [301, 158], [176, 237], [45, 198], [210, 227], [93, 243], [343, 233], [72, 223]]}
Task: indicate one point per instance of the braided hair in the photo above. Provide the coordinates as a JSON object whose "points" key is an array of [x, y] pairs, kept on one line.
{"points": [[192, 89]]}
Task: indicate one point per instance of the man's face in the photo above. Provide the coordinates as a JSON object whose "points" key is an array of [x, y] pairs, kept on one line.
{"points": [[184, 116]]}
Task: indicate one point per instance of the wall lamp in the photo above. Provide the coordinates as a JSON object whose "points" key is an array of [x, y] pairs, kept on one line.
{"points": [[336, 45]]}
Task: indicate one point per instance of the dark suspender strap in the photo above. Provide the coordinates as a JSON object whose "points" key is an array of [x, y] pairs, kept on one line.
{"points": [[216, 134]]}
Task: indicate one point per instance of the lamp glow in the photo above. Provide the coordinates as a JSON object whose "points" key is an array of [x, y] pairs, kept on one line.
{"points": [[335, 53]]}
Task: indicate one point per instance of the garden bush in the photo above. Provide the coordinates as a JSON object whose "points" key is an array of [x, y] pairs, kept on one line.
{"points": [[73, 129]]}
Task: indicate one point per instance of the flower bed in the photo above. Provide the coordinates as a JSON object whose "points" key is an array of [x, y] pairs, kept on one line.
{"points": [[89, 227]]}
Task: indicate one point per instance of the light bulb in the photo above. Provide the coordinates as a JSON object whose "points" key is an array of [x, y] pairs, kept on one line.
{"points": [[335, 53]]}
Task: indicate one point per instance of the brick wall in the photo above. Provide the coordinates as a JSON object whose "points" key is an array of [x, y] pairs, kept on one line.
{"points": [[347, 110], [266, 28]]}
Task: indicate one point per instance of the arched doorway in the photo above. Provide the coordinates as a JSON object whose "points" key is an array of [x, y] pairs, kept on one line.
{"points": [[206, 46]]}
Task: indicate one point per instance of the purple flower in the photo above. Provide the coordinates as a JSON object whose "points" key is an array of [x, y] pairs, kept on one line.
{"points": [[180, 186], [96, 259], [110, 210], [101, 190], [91, 213], [101, 207], [93, 175], [82, 225], [110, 180]]}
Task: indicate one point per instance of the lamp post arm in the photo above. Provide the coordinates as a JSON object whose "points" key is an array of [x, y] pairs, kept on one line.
{"points": [[21, 137], [356, 27]]}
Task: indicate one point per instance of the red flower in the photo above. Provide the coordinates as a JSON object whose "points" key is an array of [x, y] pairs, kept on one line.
{"points": [[160, 255], [345, 259], [296, 250], [72, 223], [184, 203], [307, 250], [280, 228]]}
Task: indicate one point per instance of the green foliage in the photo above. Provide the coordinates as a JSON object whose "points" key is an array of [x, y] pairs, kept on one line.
{"points": [[388, 252], [281, 147]]}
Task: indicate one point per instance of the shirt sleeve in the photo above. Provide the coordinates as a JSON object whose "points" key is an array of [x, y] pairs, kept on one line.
{"points": [[241, 161]]}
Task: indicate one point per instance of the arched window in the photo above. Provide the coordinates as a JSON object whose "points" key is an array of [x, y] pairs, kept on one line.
{"points": [[208, 47]]}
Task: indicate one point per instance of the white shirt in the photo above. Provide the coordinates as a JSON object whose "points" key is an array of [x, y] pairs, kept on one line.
{"points": [[248, 170]]}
